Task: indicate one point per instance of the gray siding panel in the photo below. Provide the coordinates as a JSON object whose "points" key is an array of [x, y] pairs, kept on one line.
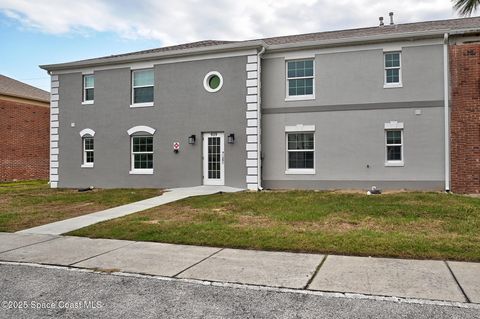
{"points": [[348, 78], [346, 142], [182, 108]]}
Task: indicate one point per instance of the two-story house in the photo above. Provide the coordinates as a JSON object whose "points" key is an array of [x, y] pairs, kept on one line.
{"points": [[384, 106]]}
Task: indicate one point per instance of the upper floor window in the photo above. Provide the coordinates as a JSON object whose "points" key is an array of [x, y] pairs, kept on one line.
{"points": [[300, 79], [394, 147], [142, 88], [88, 151], [88, 88], [393, 71]]}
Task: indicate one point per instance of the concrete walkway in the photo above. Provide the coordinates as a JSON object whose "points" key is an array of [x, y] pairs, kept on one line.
{"points": [[417, 279], [170, 195]]}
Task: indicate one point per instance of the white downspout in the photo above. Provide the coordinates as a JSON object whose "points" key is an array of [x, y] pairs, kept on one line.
{"points": [[446, 111], [259, 116]]}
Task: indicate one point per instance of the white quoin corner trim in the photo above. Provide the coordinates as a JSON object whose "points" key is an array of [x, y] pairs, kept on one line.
{"points": [[141, 128], [87, 131]]}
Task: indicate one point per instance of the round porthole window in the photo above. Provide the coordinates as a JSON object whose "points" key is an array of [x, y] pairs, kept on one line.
{"points": [[213, 81]]}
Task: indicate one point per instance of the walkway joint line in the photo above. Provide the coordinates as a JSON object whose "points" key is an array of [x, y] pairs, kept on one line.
{"points": [[43, 241], [315, 272], [198, 262], [458, 283], [76, 262]]}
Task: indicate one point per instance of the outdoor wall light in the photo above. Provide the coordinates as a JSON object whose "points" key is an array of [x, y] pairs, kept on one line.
{"points": [[231, 138], [191, 139]]}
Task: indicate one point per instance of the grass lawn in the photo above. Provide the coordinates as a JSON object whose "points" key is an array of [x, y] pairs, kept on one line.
{"points": [[407, 225], [32, 203]]}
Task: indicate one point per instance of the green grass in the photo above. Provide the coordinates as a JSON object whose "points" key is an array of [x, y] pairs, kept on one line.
{"points": [[406, 225], [32, 203]]}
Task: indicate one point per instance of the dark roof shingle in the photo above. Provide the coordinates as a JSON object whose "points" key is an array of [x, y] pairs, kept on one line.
{"points": [[9, 86]]}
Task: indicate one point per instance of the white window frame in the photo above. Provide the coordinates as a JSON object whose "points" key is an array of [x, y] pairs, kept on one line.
{"points": [[84, 88], [139, 171], [394, 163], [299, 97], [398, 84], [207, 78], [86, 164], [299, 129], [145, 104]]}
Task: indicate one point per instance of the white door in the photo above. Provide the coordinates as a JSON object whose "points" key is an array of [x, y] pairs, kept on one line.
{"points": [[213, 159]]}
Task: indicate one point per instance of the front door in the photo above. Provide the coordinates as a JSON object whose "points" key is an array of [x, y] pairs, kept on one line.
{"points": [[213, 159]]}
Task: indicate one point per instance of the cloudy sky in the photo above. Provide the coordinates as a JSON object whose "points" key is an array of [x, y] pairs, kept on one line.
{"points": [[49, 31]]}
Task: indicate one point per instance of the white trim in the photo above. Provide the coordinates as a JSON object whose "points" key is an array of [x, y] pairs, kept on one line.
{"points": [[305, 97], [141, 128], [292, 171], [140, 171], [392, 48], [54, 132], [395, 163], [155, 61], [84, 87], [146, 104], [206, 79], [89, 102], [394, 125], [393, 85], [300, 128], [87, 165], [133, 87], [300, 98], [306, 53], [398, 84], [399, 127], [446, 112], [215, 181], [87, 131], [144, 171], [299, 171]]}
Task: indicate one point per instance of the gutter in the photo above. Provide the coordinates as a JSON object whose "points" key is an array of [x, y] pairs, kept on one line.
{"points": [[259, 117], [446, 112]]}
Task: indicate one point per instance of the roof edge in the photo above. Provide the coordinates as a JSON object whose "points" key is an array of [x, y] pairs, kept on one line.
{"points": [[235, 46]]}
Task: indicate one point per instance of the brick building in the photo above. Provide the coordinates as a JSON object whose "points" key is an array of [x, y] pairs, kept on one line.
{"points": [[465, 116], [24, 131]]}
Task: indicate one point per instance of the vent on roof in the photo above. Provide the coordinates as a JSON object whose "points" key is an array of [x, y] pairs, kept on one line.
{"points": [[391, 18], [381, 21]]}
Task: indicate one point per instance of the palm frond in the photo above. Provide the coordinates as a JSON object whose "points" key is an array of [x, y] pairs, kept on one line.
{"points": [[466, 7]]}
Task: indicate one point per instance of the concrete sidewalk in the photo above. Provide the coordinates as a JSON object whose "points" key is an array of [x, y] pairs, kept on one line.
{"points": [[170, 195], [418, 279]]}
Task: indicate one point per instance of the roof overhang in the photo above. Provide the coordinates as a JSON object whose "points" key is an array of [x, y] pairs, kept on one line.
{"points": [[255, 44]]}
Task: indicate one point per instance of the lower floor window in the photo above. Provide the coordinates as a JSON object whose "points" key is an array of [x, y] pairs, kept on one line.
{"points": [[394, 145], [142, 152], [88, 151], [300, 150]]}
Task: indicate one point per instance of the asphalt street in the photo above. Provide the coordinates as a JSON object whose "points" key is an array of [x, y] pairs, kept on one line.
{"points": [[38, 292]]}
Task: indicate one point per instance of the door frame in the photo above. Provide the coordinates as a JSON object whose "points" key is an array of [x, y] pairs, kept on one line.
{"points": [[206, 180]]}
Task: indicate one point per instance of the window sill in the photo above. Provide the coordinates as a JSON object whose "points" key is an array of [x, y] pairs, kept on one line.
{"points": [[300, 172], [141, 172], [392, 85], [394, 164], [87, 102], [300, 98], [147, 104], [88, 165]]}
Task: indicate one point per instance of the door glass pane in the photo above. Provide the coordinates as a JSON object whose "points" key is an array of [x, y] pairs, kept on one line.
{"points": [[214, 158]]}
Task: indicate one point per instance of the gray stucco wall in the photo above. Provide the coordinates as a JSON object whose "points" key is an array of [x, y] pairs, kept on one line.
{"points": [[357, 78], [346, 142], [182, 108]]}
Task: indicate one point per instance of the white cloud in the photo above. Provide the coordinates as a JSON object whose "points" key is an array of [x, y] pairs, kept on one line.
{"points": [[191, 20]]}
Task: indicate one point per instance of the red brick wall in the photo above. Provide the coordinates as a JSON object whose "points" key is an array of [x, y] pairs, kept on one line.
{"points": [[24, 141], [465, 117]]}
